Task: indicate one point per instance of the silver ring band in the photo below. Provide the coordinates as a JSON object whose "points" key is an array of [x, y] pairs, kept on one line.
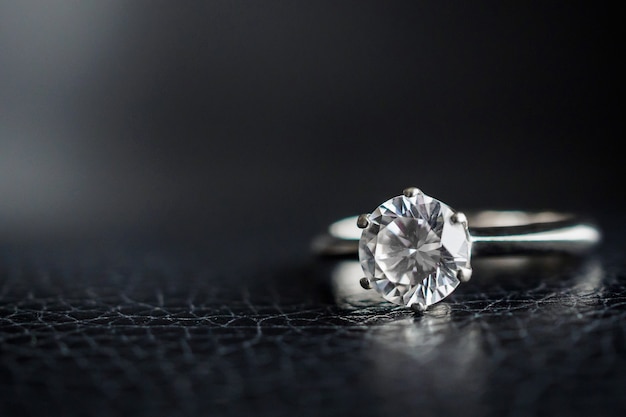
{"points": [[491, 233]]}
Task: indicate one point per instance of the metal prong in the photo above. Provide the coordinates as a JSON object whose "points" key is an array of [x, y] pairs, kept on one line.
{"points": [[365, 283], [459, 217], [464, 274], [411, 192], [363, 221], [418, 308]]}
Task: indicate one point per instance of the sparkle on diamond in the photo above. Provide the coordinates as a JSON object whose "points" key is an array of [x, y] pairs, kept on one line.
{"points": [[411, 250]]}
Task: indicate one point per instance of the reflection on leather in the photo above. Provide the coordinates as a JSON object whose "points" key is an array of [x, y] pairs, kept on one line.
{"points": [[163, 336]]}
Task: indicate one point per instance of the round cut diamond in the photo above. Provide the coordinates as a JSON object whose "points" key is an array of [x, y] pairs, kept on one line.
{"points": [[412, 250]]}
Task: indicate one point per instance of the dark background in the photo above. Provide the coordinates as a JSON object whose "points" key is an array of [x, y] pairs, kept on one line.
{"points": [[164, 167]]}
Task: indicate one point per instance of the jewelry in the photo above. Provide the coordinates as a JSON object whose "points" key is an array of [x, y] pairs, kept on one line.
{"points": [[415, 250]]}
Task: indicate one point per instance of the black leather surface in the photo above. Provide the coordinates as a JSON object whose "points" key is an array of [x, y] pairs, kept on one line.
{"points": [[95, 332]]}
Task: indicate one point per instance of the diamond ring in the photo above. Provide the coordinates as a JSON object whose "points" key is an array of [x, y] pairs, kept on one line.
{"points": [[415, 250]]}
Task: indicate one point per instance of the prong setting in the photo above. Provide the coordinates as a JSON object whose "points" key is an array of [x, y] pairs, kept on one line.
{"points": [[365, 283], [418, 308], [363, 221], [459, 218], [464, 274], [411, 191]]}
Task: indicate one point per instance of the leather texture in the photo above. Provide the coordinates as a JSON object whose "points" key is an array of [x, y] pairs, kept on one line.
{"points": [[136, 332]]}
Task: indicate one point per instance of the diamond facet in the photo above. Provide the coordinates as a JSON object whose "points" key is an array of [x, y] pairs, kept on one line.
{"points": [[413, 249]]}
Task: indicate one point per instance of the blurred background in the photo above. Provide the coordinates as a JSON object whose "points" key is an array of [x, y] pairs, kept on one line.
{"points": [[229, 119]]}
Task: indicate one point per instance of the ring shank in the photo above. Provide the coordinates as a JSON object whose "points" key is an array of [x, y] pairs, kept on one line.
{"points": [[492, 233]]}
